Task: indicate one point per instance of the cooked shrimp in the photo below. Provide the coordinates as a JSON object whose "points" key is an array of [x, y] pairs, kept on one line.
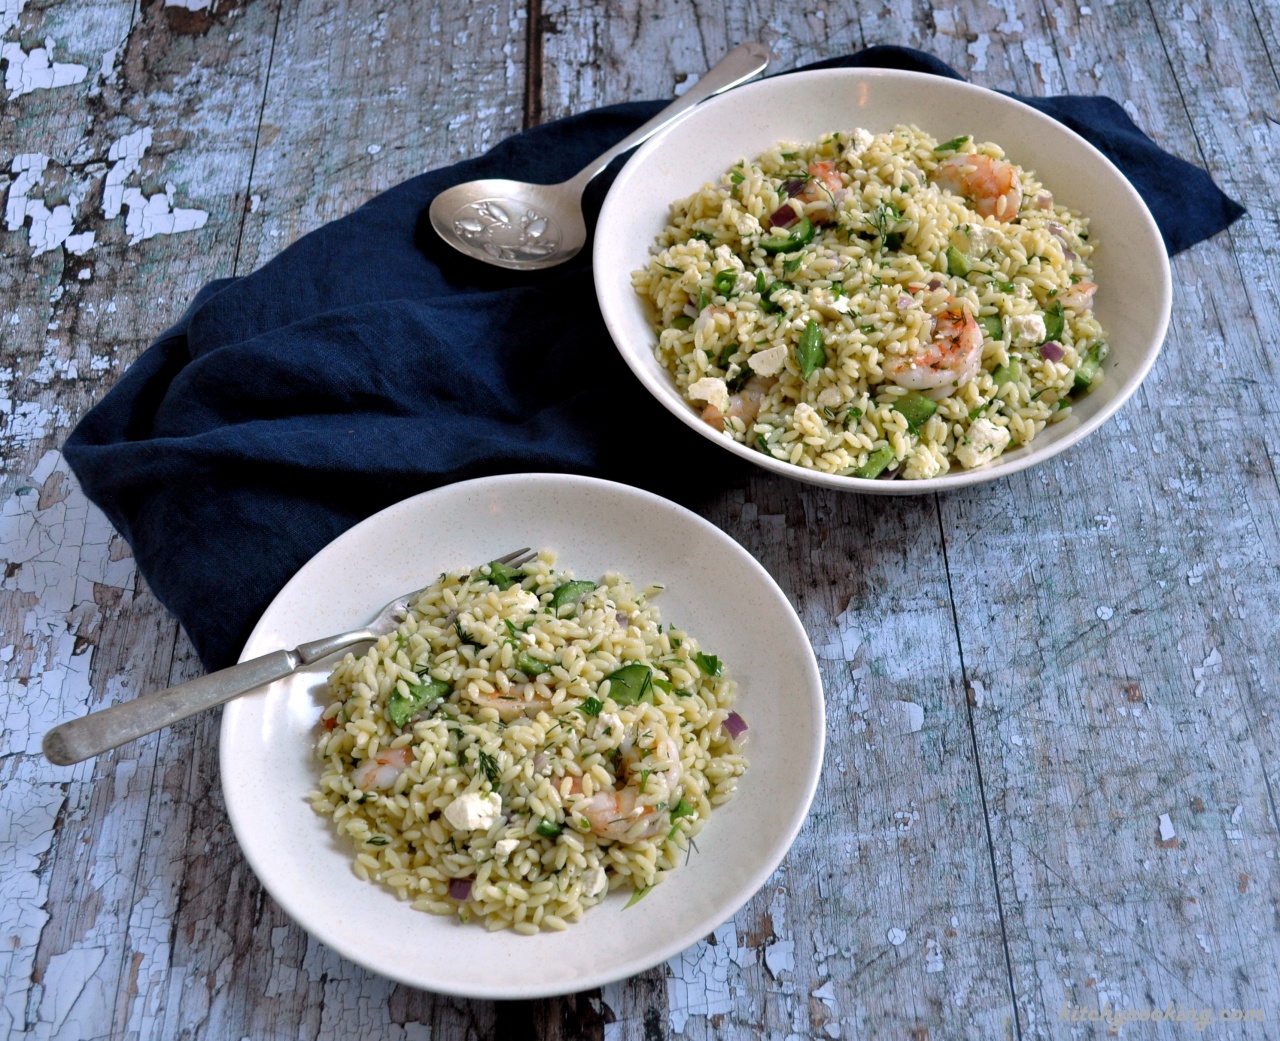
{"points": [[382, 769], [519, 699], [653, 772], [822, 186], [991, 186], [1079, 297], [954, 357], [613, 815], [744, 404]]}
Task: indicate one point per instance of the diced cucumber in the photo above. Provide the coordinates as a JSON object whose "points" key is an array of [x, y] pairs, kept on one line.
{"points": [[811, 353], [801, 235], [875, 464], [1008, 373], [916, 408], [992, 326], [401, 709], [631, 683], [1087, 374], [569, 593], [957, 262]]}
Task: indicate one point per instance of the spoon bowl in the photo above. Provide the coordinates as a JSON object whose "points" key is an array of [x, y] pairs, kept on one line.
{"points": [[512, 224], [527, 227]]}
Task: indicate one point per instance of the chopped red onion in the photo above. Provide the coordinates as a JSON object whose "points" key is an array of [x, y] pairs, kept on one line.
{"points": [[1044, 201], [539, 761], [1051, 351], [735, 724], [794, 186], [624, 619], [904, 302], [1057, 231], [889, 475], [450, 618], [460, 888], [1069, 257], [935, 284], [782, 217]]}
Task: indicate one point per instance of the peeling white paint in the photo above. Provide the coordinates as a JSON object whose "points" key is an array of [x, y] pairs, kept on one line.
{"points": [[28, 170], [37, 70], [156, 215], [896, 936], [125, 156], [698, 979], [978, 52], [10, 12], [190, 5], [910, 717], [1166, 828]]}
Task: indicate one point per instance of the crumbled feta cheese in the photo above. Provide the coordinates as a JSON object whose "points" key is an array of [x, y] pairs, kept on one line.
{"points": [[474, 811], [983, 442], [976, 240], [770, 362], [1027, 330], [608, 721], [505, 847], [828, 303], [595, 883], [806, 420], [712, 390], [861, 142], [525, 600], [748, 226], [830, 398]]}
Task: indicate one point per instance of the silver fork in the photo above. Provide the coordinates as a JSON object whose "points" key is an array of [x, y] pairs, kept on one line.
{"points": [[97, 732]]}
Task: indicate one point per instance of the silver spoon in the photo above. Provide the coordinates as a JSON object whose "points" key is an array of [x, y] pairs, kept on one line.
{"points": [[527, 227]]}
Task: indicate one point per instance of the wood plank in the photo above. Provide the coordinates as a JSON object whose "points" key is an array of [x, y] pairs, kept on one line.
{"points": [[82, 628], [1120, 625], [860, 933], [363, 98], [343, 77]]}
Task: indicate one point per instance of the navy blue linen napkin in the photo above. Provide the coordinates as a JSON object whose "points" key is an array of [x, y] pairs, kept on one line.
{"points": [[369, 362]]}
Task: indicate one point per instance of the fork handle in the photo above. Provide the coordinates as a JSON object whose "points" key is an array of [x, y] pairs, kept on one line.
{"points": [[90, 735]]}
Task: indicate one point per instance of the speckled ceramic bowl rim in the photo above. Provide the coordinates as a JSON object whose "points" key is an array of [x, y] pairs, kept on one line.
{"points": [[619, 246], [267, 737]]}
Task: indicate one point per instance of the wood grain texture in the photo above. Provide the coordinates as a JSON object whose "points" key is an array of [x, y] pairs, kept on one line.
{"points": [[1091, 643]]}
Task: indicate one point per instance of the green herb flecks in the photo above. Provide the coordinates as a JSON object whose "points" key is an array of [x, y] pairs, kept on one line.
{"points": [[378, 840], [1054, 322], [636, 897], [953, 144], [489, 765], [464, 636], [792, 264], [548, 829], [681, 322], [726, 353], [592, 707], [708, 663]]}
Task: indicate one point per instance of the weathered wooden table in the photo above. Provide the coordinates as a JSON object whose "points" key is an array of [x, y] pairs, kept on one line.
{"points": [[1086, 819]]}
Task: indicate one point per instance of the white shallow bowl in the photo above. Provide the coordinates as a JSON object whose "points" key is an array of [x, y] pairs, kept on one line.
{"points": [[714, 588], [1130, 264]]}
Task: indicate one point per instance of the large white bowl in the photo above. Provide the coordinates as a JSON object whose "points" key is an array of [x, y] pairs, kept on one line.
{"points": [[1130, 264], [714, 588]]}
